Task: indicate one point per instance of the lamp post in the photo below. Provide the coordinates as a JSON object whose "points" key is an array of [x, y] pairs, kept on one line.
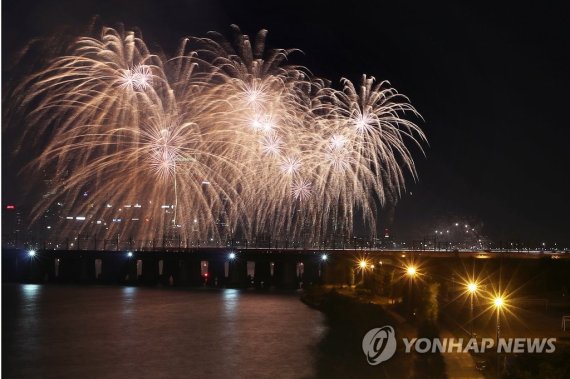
{"points": [[411, 271], [498, 302], [472, 288], [363, 264]]}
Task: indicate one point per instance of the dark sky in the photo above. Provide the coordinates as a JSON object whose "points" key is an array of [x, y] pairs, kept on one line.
{"points": [[491, 81]]}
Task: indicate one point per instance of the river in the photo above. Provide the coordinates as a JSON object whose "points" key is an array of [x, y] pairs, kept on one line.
{"points": [[111, 332]]}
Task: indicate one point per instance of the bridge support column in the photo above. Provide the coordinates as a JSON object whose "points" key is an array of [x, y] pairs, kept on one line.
{"points": [[262, 275], [216, 273], [311, 272], [286, 274], [149, 271], [237, 273]]}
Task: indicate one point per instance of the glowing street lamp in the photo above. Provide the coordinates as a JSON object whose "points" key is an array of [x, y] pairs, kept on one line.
{"points": [[323, 260], [411, 272], [232, 256], [31, 253], [498, 303], [363, 265], [472, 289]]}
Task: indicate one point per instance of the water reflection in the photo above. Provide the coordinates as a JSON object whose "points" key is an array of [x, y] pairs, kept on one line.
{"points": [[56, 331], [31, 291], [128, 301], [231, 299]]}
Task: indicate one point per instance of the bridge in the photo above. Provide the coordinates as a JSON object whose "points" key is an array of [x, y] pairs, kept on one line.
{"points": [[260, 267]]}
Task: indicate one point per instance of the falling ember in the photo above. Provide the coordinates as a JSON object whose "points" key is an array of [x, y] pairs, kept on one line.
{"points": [[339, 159]]}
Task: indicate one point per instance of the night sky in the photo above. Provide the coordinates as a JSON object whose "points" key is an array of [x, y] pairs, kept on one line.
{"points": [[490, 81]]}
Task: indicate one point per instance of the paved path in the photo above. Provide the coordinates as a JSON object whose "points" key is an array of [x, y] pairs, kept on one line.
{"points": [[459, 365]]}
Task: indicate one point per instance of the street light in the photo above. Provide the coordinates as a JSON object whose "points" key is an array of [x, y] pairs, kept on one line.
{"points": [[363, 264], [472, 289], [232, 256], [411, 271], [324, 257], [32, 253], [499, 303]]}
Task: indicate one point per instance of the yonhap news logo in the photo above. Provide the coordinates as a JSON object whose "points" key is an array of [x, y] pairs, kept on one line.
{"points": [[379, 345]]}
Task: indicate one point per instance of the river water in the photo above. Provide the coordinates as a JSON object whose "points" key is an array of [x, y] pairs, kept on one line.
{"points": [[112, 332]]}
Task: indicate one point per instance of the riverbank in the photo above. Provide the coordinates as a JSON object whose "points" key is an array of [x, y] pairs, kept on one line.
{"points": [[349, 316]]}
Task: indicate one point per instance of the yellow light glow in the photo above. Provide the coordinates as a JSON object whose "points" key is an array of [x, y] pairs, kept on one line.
{"points": [[498, 301], [363, 264], [411, 271], [472, 287]]}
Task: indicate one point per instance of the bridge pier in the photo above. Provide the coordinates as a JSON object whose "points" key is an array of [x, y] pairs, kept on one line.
{"points": [[262, 276], [286, 274], [311, 272], [216, 272], [149, 270], [237, 273]]}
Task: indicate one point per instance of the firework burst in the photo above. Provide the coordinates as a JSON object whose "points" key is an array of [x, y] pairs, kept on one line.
{"points": [[221, 139]]}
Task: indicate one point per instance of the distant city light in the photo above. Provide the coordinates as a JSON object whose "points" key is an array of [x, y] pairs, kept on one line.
{"points": [[80, 218], [10, 207], [232, 255], [32, 253], [324, 257], [129, 254]]}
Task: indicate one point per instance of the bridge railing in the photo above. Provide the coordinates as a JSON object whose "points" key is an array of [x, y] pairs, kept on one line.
{"points": [[85, 242]]}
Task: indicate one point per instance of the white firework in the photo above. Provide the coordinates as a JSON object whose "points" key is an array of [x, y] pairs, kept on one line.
{"points": [[290, 165], [138, 78], [271, 145], [301, 190]]}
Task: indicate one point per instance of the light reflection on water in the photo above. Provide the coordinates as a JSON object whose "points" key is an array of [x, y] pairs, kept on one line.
{"points": [[231, 300], [148, 332], [31, 291]]}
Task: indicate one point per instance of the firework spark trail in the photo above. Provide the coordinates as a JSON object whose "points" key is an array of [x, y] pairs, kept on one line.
{"points": [[222, 132]]}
